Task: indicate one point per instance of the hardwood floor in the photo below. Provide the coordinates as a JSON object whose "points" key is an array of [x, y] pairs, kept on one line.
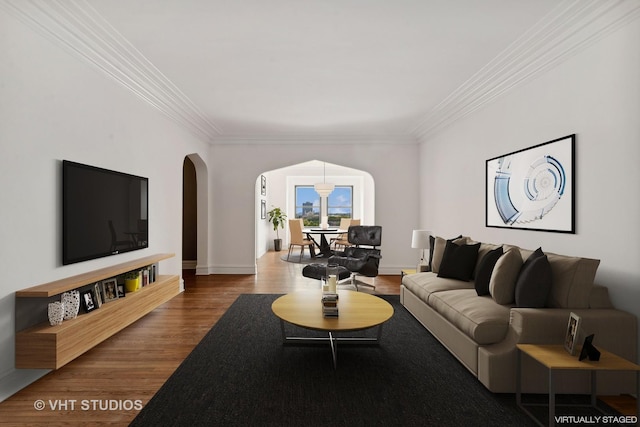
{"points": [[105, 385]]}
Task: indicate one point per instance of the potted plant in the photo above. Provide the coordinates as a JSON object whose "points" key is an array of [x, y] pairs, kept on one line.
{"points": [[132, 281], [277, 218]]}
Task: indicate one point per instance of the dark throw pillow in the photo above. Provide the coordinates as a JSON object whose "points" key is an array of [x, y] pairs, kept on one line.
{"points": [[485, 268], [535, 254], [534, 283], [458, 261]]}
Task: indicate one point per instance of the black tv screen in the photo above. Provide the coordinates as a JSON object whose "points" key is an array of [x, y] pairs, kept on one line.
{"points": [[104, 212]]}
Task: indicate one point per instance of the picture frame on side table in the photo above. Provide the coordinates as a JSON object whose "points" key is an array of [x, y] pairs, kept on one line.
{"points": [[110, 289], [88, 302], [534, 188], [573, 330]]}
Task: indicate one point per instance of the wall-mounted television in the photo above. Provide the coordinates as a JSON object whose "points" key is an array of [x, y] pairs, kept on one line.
{"points": [[104, 212]]}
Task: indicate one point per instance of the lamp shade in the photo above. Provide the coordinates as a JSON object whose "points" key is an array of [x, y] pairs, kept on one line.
{"points": [[420, 239], [323, 189]]}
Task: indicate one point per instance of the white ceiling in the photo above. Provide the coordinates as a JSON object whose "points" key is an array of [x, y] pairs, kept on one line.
{"points": [[308, 69]]}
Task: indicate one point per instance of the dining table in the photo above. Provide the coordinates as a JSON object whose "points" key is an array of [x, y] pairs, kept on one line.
{"points": [[325, 248]]}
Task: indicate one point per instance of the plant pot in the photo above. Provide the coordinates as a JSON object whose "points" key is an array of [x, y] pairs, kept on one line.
{"points": [[277, 244], [132, 285]]}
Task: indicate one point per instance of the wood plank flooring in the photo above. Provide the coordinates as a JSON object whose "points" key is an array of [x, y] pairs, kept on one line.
{"points": [[107, 384]]}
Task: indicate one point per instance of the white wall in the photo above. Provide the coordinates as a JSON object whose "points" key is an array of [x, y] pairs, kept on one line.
{"points": [[234, 168], [54, 107], [596, 95]]}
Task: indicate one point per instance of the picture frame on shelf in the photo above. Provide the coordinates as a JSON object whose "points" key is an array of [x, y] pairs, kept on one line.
{"points": [[110, 289], [88, 302], [121, 292], [573, 330], [533, 188], [97, 294], [263, 185], [263, 209]]}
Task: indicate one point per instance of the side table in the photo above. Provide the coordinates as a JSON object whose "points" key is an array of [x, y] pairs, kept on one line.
{"points": [[556, 358], [405, 272]]}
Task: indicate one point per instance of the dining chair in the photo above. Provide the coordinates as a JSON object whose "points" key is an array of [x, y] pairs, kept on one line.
{"points": [[297, 237], [342, 239], [344, 224]]}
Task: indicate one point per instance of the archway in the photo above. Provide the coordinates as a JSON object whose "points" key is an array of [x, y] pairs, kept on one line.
{"points": [[280, 188], [195, 218]]}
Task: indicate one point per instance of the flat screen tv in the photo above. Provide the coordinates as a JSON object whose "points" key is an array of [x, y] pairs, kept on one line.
{"points": [[104, 212]]}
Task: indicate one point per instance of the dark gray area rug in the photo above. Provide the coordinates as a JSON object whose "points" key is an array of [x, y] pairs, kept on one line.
{"points": [[242, 375]]}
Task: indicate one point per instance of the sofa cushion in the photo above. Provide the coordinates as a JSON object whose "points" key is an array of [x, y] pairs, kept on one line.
{"points": [[485, 248], [572, 280], [502, 285], [480, 318], [534, 282], [424, 284], [458, 261], [439, 246], [484, 270]]}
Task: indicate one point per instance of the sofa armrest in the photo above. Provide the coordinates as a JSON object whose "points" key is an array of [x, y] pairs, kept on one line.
{"points": [[615, 330]]}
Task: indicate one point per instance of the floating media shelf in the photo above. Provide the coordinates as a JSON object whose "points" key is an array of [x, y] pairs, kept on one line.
{"points": [[43, 346]]}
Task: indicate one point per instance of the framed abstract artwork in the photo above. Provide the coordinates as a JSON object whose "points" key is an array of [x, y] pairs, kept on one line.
{"points": [[534, 188]]}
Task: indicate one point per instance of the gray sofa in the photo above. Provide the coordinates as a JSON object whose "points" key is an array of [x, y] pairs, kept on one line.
{"points": [[482, 330]]}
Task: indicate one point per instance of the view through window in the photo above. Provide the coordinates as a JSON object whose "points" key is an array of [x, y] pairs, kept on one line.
{"points": [[339, 205]]}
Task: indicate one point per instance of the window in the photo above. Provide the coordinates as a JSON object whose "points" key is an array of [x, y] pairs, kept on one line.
{"points": [[307, 205], [340, 205]]}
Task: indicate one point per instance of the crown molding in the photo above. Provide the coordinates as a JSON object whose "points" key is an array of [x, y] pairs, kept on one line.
{"points": [[81, 30], [314, 139], [568, 29]]}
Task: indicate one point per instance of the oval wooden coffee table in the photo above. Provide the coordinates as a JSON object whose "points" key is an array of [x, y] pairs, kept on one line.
{"points": [[357, 311]]}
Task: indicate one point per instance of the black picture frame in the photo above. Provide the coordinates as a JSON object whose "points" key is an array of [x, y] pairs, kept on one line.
{"points": [[121, 292], [263, 209], [533, 188], [263, 185], [589, 350], [88, 301]]}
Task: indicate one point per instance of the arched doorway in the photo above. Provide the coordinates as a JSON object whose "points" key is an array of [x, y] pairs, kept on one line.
{"points": [[195, 216], [280, 192]]}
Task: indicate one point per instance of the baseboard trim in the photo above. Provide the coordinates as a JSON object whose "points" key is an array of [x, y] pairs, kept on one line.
{"points": [[18, 379], [189, 264]]}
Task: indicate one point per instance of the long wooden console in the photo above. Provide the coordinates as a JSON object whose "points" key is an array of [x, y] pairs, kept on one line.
{"points": [[43, 346]]}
